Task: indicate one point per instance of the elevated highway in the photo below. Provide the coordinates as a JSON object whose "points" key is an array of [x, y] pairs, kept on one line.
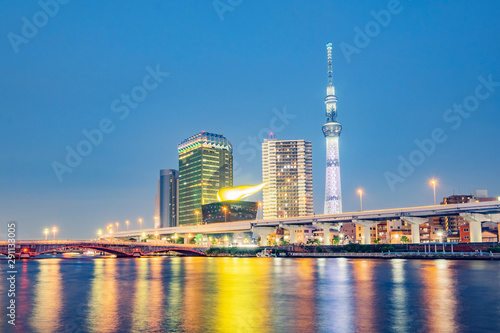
{"points": [[474, 213]]}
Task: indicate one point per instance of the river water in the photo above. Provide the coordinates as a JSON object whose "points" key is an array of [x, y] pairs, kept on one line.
{"points": [[197, 294]]}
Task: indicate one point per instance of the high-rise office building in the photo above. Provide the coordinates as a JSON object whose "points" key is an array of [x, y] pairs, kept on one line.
{"points": [[287, 170], [205, 166], [168, 199], [331, 130]]}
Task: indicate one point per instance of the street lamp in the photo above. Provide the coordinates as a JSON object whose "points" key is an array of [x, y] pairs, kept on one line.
{"points": [[140, 223], [396, 236], [143, 235], [156, 235], [440, 234], [46, 232], [99, 233], [341, 238], [360, 192], [225, 215], [433, 183], [197, 214], [117, 224], [262, 213], [127, 223], [175, 238], [54, 230]]}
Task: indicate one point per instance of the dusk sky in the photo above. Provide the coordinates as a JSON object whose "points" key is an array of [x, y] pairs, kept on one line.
{"points": [[240, 70]]}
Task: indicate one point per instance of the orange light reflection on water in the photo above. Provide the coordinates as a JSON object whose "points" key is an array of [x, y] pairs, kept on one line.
{"points": [[103, 304], [48, 297], [439, 301]]}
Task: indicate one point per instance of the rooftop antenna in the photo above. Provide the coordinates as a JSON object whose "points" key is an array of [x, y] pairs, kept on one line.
{"points": [[329, 53]]}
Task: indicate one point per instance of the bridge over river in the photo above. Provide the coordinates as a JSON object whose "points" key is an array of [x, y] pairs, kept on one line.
{"points": [[29, 249]]}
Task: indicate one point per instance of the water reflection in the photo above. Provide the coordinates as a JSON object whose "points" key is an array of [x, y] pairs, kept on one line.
{"points": [[103, 304], [365, 306], [156, 297], [243, 295], [439, 296], [48, 298], [256, 295], [399, 297], [140, 312]]}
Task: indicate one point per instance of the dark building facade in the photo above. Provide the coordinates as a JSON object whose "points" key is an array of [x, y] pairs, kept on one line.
{"points": [[168, 198], [229, 211]]}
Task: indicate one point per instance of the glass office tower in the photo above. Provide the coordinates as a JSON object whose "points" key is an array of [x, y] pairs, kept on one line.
{"points": [[205, 166]]}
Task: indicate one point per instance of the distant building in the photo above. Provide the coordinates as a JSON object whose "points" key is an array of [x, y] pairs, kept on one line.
{"points": [[452, 223], [168, 199], [487, 234], [287, 170], [205, 166]]}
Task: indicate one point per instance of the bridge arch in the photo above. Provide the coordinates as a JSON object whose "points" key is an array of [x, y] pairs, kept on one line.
{"points": [[182, 251], [103, 249]]}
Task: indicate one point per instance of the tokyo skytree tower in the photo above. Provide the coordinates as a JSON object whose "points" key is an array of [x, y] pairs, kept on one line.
{"points": [[331, 130]]}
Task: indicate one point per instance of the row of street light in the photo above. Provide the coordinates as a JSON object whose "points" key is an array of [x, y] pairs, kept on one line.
{"points": [[46, 232], [433, 183]]}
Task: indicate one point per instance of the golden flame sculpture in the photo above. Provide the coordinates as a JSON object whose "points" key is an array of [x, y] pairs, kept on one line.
{"points": [[239, 192]]}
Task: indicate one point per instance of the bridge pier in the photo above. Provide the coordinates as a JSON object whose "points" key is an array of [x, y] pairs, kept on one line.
{"points": [[366, 224], [475, 221], [415, 223], [293, 229], [326, 231], [263, 232]]}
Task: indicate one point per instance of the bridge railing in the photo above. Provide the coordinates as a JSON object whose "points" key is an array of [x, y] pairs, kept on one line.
{"points": [[100, 242]]}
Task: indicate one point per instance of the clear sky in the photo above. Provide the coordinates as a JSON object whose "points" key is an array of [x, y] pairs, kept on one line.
{"points": [[231, 70]]}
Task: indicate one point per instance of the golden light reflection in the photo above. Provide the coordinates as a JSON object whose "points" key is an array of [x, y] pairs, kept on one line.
{"points": [[243, 295], [365, 295], [103, 304], [156, 296], [48, 297], [439, 296], [140, 311], [192, 304]]}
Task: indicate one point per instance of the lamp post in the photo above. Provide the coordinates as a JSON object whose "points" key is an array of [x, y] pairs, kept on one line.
{"points": [[225, 213], [440, 234], [99, 233], [156, 235], [140, 223], [117, 224], [197, 214], [360, 192], [261, 212], [341, 239], [127, 223], [46, 232], [54, 230], [433, 183]]}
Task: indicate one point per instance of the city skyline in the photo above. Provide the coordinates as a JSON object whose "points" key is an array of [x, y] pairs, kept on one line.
{"points": [[52, 94]]}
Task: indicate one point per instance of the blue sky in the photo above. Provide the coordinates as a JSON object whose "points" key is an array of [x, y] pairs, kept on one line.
{"points": [[229, 73]]}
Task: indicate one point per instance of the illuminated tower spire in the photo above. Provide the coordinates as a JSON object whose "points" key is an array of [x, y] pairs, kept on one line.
{"points": [[331, 130]]}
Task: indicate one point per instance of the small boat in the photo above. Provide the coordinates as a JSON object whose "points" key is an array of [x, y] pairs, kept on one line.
{"points": [[265, 254]]}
